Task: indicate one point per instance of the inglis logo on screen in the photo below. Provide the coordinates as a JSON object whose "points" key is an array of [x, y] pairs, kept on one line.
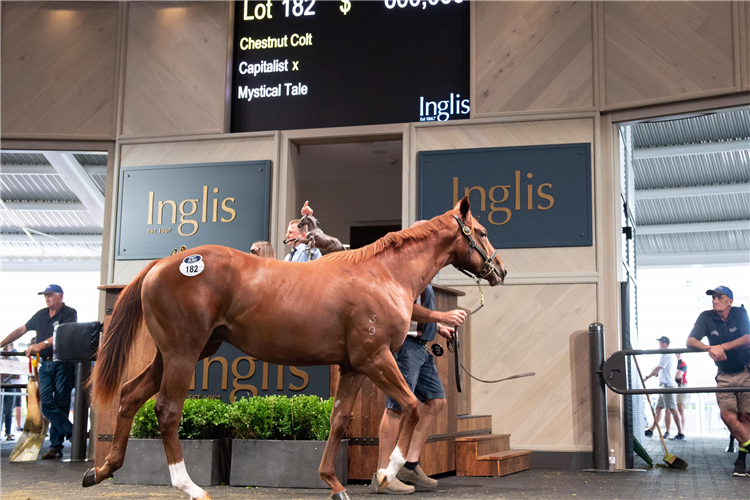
{"points": [[441, 111]]}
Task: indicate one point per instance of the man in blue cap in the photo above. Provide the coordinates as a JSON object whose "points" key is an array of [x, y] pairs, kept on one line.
{"points": [[728, 332], [55, 377]]}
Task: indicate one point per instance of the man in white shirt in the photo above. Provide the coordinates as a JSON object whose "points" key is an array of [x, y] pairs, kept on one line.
{"points": [[300, 251], [666, 370]]}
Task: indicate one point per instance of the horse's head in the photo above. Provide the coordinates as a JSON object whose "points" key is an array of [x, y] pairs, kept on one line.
{"points": [[483, 263]]}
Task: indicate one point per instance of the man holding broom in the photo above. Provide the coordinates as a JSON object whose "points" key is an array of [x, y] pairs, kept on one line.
{"points": [[55, 377], [728, 332]]}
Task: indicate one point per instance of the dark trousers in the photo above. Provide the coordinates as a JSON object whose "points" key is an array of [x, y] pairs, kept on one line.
{"points": [[56, 384], [9, 402]]}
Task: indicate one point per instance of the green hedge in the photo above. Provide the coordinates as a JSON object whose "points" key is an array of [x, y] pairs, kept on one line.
{"points": [[268, 417]]}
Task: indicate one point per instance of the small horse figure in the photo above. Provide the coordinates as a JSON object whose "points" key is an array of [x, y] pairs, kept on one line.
{"points": [[351, 309]]}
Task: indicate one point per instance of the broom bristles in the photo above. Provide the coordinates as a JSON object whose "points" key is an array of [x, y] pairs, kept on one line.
{"points": [[33, 415], [675, 462]]}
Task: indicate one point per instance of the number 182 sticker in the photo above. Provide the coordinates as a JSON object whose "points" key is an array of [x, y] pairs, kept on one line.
{"points": [[192, 266]]}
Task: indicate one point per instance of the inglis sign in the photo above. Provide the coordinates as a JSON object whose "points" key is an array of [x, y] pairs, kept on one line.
{"points": [[164, 207], [530, 196]]}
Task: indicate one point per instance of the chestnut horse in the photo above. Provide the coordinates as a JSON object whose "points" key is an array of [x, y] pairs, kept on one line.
{"points": [[351, 309]]}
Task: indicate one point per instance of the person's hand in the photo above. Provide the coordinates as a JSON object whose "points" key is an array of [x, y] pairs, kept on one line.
{"points": [[35, 349], [306, 209], [445, 331], [454, 317], [717, 353]]}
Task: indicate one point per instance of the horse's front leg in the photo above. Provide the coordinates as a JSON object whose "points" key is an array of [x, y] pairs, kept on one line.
{"points": [[350, 382], [384, 373]]}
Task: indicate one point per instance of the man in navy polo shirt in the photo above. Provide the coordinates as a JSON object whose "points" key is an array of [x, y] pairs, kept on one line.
{"points": [[728, 332], [55, 377]]}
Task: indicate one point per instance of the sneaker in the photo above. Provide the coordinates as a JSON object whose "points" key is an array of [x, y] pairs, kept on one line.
{"points": [[395, 487], [52, 453], [666, 435], [417, 478], [680, 437], [649, 433], [739, 470]]}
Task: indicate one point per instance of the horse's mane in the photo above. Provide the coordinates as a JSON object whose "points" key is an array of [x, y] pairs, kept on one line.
{"points": [[392, 241]]}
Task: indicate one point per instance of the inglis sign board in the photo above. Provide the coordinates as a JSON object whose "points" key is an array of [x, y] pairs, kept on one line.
{"points": [[530, 196], [164, 207]]}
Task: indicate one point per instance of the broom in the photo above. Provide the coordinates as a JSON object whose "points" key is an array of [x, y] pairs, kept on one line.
{"points": [[33, 422], [671, 460]]}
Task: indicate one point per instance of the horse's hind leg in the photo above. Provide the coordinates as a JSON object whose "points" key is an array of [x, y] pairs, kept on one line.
{"points": [[349, 385], [168, 409], [133, 395]]}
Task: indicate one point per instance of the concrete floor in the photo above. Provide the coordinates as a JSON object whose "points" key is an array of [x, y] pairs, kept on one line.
{"points": [[707, 478]]}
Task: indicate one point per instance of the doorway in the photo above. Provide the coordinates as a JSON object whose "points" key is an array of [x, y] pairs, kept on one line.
{"points": [[354, 188]]}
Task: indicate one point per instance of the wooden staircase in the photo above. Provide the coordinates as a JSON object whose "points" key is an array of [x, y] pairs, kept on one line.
{"points": [[489, 455]]}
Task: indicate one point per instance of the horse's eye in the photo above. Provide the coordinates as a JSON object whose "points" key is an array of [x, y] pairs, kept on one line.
{"points": [[484, 235]]}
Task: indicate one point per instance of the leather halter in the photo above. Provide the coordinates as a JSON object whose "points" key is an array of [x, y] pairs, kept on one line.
{"points": [[488, 268]]}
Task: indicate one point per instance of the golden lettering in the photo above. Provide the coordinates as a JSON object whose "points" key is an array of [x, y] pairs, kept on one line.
{"points": [[280, 378], [483, 200], [224, 369], [529, 187], [150, 208], [546, 196], [161, 211], [455, 191], [494, 208], [518, 190], [301, 374], [236, 386], [228, 210], [264, 382], [205, 197], [188, 221], [192, 381]]}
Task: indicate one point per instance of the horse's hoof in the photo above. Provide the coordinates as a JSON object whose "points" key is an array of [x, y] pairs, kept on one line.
{"points": [[382, 481], [204, 496], [89, 478], [341, 495]]}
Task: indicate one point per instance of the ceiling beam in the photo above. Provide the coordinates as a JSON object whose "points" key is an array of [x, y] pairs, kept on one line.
{"points": [[694, 227], [56, 238], [682, 192], [47, 170], [36, 206], [78, 181], [692, 258], [691, 149]]}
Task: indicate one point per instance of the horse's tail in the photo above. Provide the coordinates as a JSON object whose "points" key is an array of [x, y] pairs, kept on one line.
{"points": [[115, 350]]}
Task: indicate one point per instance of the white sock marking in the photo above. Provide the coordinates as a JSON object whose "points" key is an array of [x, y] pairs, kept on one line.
{"points": [[182, 481], [397, 460]]}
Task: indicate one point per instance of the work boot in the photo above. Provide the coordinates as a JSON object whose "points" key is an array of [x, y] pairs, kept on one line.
{"points": [[395, 487], [739, 470], [52, 454], [417, 478]]}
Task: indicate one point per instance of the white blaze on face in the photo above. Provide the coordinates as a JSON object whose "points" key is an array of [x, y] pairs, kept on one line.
{"points": [[397, 460], [182, 481]]}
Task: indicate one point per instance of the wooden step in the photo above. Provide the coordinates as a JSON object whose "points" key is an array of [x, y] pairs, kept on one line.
{"points": [[489, 455], [474, 423]]}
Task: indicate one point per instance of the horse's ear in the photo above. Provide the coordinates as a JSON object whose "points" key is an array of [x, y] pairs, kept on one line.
{"points": [[463, 206]]}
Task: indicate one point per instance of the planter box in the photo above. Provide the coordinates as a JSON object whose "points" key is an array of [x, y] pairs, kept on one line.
{"points": [[206, 460], [283, 464]]}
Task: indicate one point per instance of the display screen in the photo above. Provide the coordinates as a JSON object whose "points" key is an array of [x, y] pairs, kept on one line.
{"points": [[311, 64]]}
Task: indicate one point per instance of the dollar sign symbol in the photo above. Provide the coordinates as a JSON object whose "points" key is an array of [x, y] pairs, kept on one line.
{"points": [[346, 7]]}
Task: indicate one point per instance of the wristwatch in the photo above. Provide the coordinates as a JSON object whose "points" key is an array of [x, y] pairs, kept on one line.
{"points": [[46, 342]]}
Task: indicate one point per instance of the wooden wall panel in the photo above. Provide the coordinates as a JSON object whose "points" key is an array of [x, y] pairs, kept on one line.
{"points": [[520, 262], [544, 329], [59, 69], [533, 56], [176, 68], [663, 51], [745, 47], [202, 151]]}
